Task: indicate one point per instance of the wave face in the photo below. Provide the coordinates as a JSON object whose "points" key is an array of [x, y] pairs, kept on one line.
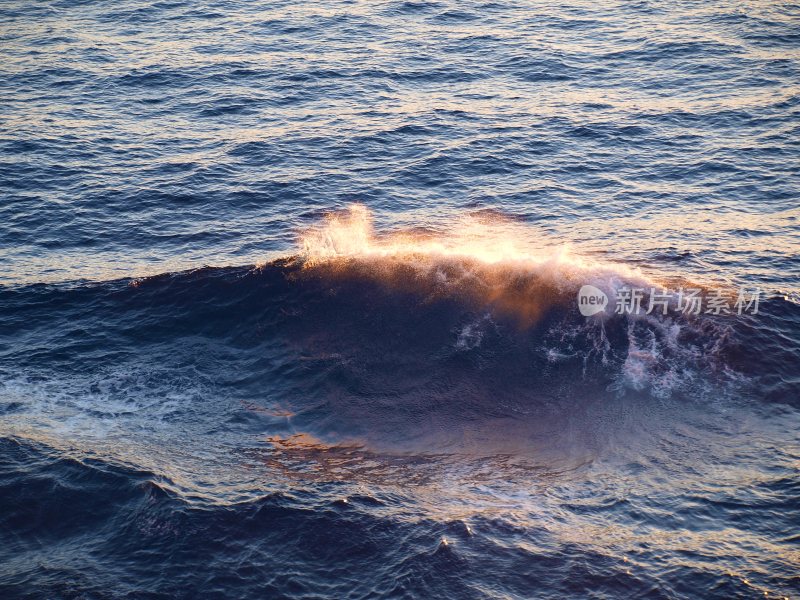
{"points": [[288, 300]]}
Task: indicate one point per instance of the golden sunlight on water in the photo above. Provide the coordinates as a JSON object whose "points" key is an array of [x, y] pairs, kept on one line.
{"points": [[488, 239], [484, 259]]}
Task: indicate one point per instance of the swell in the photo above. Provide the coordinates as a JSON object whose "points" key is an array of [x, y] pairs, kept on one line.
{"points": [[405, 340], [444, 305], [377, 348]]}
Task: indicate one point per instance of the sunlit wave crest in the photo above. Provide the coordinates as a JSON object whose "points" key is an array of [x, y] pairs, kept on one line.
{"points": [[485, 257]]}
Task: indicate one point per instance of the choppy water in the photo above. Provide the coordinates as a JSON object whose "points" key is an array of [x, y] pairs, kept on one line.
{"points": [[209, 389]]}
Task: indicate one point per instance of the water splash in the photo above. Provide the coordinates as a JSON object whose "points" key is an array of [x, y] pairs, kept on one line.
{"points": [[486, 257], [488, 238]]}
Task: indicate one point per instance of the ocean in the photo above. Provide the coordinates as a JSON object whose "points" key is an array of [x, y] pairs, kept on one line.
{"points": [[393, 299]]}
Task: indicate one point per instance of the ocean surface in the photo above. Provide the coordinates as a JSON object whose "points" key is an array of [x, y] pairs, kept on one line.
{"points": [[288, 299]]}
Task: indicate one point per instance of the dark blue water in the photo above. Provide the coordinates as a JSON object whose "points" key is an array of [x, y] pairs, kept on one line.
{"points": [[288, 300]]}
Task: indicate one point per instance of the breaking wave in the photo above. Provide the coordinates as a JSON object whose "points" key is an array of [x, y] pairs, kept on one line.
{"points": [[471, 340]]}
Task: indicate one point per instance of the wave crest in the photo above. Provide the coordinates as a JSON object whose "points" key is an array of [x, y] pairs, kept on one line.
{"points": [[485, 258]]}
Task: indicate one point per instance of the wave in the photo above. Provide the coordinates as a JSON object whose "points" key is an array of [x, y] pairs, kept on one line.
{"points": [[403, 339]]}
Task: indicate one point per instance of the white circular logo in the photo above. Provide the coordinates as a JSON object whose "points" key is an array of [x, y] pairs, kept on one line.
{"points": [[591, 300]]}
